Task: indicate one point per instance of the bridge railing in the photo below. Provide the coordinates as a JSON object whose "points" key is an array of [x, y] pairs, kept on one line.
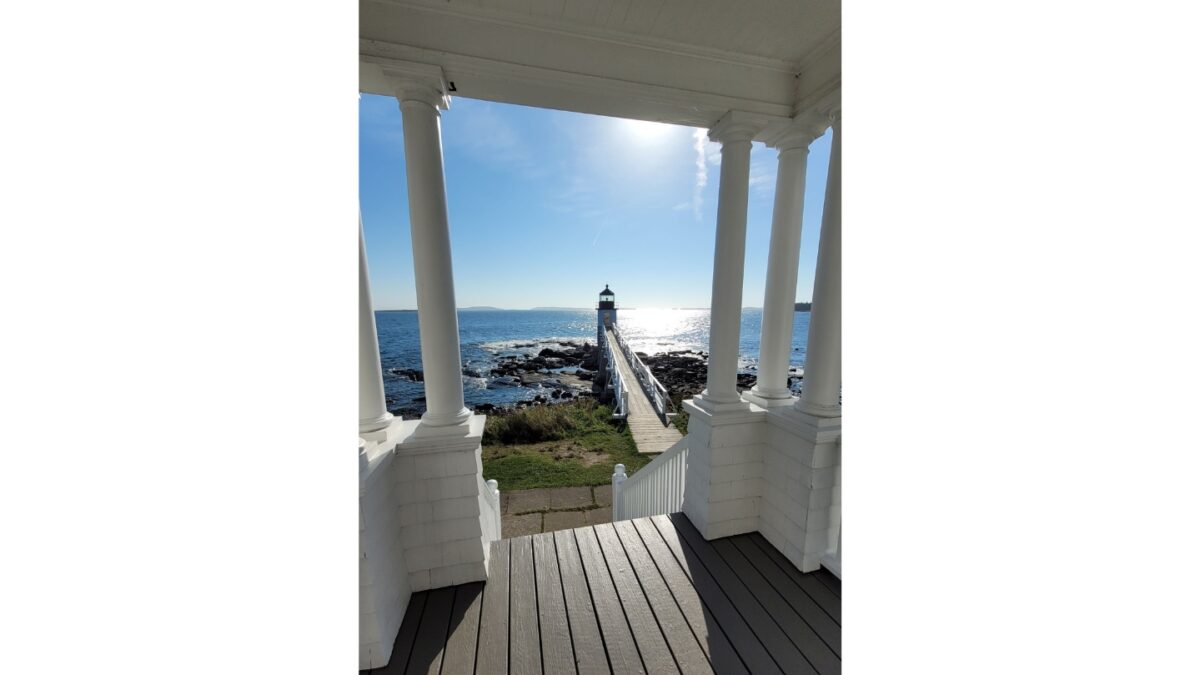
{"points": [[655, 488], [659, 397], [620, 388]]}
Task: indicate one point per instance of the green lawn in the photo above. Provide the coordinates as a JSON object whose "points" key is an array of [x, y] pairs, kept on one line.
{"points": [[562, 445]]}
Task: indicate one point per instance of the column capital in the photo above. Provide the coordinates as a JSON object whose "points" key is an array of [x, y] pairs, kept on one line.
{"points": [[419, 82], [799, 132], [735, 126]]}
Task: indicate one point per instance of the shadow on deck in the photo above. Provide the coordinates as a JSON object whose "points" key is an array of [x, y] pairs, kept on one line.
{"points": [[638, 596]]}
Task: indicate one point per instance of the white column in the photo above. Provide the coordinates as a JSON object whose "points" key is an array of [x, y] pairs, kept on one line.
{"points": [[729, 261], [823, 364], [372, 406], [437, 313], [783, 262]]}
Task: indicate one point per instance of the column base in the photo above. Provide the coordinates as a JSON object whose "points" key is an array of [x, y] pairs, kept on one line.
{"points": [[724, 475], [769, 399], [719, 406], [446, 419], [818, 410], [368, 426], [801, 503], [446, 513]]}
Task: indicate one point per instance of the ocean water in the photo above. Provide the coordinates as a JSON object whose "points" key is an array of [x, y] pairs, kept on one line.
{"points": [[486, 336]]}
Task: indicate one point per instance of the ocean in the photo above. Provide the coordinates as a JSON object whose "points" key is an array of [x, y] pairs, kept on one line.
{"points": [[487, 335]]}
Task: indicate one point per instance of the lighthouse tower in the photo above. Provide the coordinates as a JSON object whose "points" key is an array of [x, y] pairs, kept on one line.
{"points": [[606, 314]]}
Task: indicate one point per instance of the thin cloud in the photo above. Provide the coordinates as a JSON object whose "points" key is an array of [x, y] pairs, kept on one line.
{"points": [[699, 143]]}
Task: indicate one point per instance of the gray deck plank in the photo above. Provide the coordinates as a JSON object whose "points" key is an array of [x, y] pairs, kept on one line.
{"points": [[651, 642], [427, 651], [741, 635], [590, 658], [789, 658], [464, 629], [818, 591], [618, 640], [557, 653], [826, 577], [712, 639], [687, 652], [771, 598], [492, 652], [524, 649], [824, 625], [398, 662]]}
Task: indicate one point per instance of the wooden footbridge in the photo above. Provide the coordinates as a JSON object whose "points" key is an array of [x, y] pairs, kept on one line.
{"points": [[638, 396]]}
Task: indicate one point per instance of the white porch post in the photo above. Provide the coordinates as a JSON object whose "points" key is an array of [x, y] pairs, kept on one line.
{"points": [[823, 366], [783, 262], [372, 406], [437, 313], [722, 484], [800, 512], [734, 133]]}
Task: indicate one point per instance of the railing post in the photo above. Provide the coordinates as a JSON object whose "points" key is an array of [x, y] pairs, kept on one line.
{"points": [[618, 477], [494, 487]]}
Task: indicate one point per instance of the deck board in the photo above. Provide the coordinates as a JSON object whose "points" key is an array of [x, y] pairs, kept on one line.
{"points": [[431, 636], [802, 635], [524, 648], [721, 653], [819, 592], [824, 625], [405, 638], [687, 652], [648, 595], [557, 653], [651, 643], [581, 615], [785, 653], [623, 654], [492, 652], [464, 629]]}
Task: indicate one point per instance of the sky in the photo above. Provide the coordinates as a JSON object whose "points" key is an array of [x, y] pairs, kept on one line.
{"points": [[546, 207]]}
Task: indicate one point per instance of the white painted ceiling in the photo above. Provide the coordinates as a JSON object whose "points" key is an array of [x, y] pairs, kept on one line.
{"points": [[681, 61]]}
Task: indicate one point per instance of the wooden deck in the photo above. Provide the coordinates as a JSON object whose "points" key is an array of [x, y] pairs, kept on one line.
{"points": [[649, 433], [636, 596]]}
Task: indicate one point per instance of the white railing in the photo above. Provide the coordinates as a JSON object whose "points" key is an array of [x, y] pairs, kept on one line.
{"points": [[655, 488], [657, 393], [620, 393]]}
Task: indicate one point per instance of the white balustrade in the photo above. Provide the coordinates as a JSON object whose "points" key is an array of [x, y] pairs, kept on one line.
{"points": [[655, 489]]}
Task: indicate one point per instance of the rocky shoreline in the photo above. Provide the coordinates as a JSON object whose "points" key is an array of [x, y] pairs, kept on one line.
{"points": [[566, 374]]}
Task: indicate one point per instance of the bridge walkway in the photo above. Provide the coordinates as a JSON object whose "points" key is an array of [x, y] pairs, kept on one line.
{"points": [[649, 433]]}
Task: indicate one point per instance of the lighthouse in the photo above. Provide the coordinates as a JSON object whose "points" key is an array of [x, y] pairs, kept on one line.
{"points": [[606, 314]]}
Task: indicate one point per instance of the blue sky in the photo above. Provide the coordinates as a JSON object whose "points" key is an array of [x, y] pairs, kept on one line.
{"points": [[546, 207]]}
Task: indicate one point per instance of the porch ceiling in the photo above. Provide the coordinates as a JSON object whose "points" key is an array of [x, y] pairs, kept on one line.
{"points": [[683, 62]]}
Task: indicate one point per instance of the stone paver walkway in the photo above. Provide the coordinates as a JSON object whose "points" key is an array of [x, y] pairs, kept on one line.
{"points": [[549, 509]]}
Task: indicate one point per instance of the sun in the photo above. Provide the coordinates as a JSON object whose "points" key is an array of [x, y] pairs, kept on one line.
{"points": [[646, 132]]}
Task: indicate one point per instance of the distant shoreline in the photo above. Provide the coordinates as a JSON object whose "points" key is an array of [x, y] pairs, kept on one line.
{"points": [[800, 307]]}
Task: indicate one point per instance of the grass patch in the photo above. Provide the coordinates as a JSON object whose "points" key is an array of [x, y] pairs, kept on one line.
{"points": [[564, 445], [680, 420]]}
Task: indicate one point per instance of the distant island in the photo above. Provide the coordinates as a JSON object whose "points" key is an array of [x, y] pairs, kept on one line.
{"points": [[803, 306], [556, 309]]}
